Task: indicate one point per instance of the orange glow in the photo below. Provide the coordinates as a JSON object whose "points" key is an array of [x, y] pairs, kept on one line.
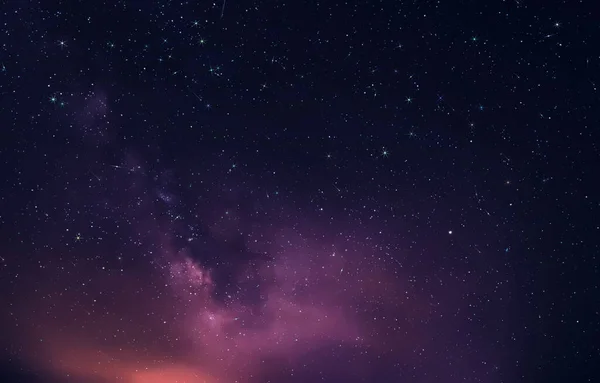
{"points": [[180, 374]]}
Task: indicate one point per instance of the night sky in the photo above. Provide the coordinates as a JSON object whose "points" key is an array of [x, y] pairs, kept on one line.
{"points": [[306, 191]]}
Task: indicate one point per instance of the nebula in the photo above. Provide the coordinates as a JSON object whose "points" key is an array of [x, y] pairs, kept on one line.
{"points": [[184, 315], [165, 321]]}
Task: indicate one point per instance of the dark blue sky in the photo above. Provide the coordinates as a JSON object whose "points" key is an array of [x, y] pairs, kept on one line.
{"points": [[268, 191]]}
